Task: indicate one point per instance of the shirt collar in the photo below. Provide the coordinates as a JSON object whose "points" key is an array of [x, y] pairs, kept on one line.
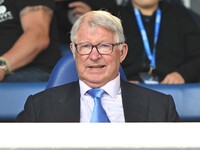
{"points": [[112, 88]]}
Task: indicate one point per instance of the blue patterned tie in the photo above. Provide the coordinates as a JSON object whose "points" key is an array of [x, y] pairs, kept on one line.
{"points": [[99, 114]]}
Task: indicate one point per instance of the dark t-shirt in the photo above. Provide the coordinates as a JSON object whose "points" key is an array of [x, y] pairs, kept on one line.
{"points": [[11, 30]]}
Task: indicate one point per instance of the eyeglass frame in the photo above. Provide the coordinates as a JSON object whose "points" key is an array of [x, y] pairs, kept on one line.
{"points": [[96, 46]]}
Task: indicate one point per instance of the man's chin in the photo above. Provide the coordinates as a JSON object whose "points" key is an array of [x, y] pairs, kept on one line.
{"points": [[95, 82]]}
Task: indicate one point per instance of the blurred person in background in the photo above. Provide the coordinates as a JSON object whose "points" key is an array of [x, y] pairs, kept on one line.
{"points": [[163, 41], [28, 40]]}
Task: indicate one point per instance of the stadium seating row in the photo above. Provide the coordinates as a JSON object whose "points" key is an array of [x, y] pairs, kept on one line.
{"points": [[14, 95]]}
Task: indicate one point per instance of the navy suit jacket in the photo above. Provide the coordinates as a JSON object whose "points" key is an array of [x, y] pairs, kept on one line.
{"points": [[62, 104]]}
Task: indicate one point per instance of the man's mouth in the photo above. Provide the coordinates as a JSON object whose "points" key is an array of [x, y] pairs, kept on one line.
{"points": [[97, 66]]}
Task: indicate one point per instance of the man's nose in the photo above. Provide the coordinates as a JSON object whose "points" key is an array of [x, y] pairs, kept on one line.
{"points": [[94, 53]]}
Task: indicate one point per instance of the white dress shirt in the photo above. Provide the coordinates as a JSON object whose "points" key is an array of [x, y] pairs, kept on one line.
{"points": [[111, 101]]}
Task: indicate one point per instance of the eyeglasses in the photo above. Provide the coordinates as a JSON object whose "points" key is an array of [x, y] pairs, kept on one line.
{"points": [[102, 48]]}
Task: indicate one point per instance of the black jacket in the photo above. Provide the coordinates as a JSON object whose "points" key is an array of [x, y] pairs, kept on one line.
{"points": [[62, 104]]}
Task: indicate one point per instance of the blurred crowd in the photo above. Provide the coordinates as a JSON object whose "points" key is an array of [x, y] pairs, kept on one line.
{"points": [[163, 38]]}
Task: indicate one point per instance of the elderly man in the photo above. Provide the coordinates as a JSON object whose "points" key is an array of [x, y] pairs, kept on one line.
{"points": [[100, 95]]}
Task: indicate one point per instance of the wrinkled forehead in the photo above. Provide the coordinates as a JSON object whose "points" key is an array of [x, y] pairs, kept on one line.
{"points": [[92, 31]]}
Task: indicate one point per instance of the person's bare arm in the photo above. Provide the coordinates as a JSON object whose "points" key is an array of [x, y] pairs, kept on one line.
{"points": [[35, 21]]}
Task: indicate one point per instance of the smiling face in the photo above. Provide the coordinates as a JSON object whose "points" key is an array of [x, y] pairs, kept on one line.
{"points": [[95, 69]]}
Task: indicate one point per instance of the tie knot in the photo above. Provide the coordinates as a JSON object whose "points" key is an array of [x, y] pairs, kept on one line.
{"points": [[96, 92]]}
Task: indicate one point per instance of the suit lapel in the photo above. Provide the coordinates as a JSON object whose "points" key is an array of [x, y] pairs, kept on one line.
{"points": [[67, 106], [135, 103]]}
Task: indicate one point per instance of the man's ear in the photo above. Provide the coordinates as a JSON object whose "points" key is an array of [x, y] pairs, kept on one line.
{"points": [[72, 48], [123, 52]]}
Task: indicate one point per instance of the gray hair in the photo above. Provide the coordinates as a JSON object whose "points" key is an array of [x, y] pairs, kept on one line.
{"points": [[99, 18]]}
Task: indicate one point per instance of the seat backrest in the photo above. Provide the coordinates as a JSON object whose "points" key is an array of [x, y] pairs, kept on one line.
{"points": [[65, 71]]}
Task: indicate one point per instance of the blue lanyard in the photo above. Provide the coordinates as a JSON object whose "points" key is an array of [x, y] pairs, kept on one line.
{"points": [[151, 55]]}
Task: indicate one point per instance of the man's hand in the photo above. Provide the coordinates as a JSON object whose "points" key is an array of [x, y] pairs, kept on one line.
{"points": [[79, 8], [173, 78]]}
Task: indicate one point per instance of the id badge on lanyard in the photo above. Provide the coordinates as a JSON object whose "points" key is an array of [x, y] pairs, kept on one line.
{"points": [[148, 77]]}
